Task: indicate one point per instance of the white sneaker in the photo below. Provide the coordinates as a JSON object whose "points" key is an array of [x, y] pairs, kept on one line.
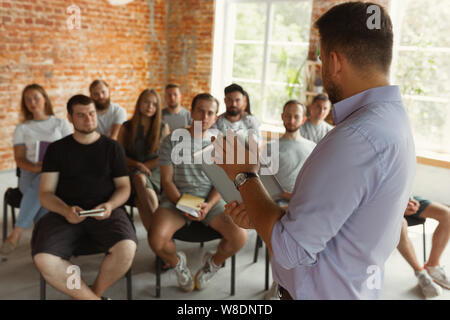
{"points": [[206, 272], [438, 275], [272, 293], [429, 288], [184, 275]]}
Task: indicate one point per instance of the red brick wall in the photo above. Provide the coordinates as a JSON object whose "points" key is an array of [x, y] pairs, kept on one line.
{"points": [[124, 45], [190, 33]]}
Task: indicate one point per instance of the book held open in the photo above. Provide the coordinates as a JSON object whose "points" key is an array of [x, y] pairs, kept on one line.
{"points": [[189, 204]]}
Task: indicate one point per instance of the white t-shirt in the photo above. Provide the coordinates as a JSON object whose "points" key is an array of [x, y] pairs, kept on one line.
{"points": [[114, 115], [313, 132], [31, 131]]}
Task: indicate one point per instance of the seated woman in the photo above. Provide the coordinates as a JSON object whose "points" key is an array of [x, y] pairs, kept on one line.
{"points": [[140, 137], [39, 124]]}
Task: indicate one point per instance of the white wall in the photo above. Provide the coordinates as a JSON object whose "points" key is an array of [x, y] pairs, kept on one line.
{"points": [[433, 183]]}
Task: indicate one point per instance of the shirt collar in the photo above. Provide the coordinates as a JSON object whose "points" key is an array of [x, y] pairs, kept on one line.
{"points": [[344, 108]]}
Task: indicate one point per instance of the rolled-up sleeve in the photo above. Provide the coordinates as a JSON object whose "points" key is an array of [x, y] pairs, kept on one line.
{"points": [[327, 192]]}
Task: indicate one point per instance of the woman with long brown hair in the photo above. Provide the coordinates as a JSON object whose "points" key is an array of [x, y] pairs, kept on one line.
{"points": [[39, 127], [140, 137]]}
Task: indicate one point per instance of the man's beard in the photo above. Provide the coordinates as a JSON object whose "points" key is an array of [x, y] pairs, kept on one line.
{"points": [[292, 130], [102, 106], [332, 89], [233, 112], [86, 132]]}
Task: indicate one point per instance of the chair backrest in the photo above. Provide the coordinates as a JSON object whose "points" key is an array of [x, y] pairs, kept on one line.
{"points": [[196, 232], [414, 221]]}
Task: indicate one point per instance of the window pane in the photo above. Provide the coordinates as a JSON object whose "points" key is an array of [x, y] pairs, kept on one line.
{"points": [[430, 122], [248, 61], [291, 21], [424, 73], [250, 21], [426, 21], [285, 63], [276, 97]]}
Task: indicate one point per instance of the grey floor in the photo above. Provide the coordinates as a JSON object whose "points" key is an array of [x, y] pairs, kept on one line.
{"points": [[19, 278]]}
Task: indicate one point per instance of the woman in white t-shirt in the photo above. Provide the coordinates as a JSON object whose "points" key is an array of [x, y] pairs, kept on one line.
{"points": [[39, 127]]}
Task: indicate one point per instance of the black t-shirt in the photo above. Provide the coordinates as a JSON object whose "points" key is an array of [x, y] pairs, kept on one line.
{"points": [[86, 172]]}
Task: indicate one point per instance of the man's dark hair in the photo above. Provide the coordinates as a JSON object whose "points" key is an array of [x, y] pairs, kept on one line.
{"points": [[344, 28], [78, 99], [321, 97], [233, 88], [294, 102], [171, 86], [204, 96], [96, 83]]}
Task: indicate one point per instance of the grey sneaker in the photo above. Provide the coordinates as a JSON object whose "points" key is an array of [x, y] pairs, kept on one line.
{"points": [[206, 272], [438, 275], [429, 288], [184, 275]]}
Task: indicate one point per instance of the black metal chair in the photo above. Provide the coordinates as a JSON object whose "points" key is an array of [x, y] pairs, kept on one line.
{"points": [[85, 249], [259, 244], [11, 199], [196, 232], [414, 221]]}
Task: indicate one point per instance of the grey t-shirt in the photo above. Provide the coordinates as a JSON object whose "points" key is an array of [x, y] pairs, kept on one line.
{"points": [[292, 156], [114, 115], [246, 124], [313, 132], [179, 120], [187, 176]]}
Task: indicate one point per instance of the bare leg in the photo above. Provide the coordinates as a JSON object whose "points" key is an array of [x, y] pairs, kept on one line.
{"points": [[54, 270], [406, 248], [441, 235], [114, 266], [147, 199], [233, 240], [165, 223], [15, 235]]}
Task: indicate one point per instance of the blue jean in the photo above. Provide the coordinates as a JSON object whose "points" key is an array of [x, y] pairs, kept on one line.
{"points": [[30, 207]]}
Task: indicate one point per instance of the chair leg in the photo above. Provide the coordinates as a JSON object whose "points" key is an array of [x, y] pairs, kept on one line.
{"points": [[233, 274], [424, 245], [158, 276], [43, 288], [129, 285], [267, 269], [257, 246]]}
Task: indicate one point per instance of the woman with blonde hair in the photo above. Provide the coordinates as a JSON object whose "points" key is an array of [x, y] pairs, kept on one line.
{"points": [[38, 128], [140, 137]]}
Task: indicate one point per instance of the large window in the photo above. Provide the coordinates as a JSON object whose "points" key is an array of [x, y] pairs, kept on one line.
{"points": [[422, 70], [262, 45]]}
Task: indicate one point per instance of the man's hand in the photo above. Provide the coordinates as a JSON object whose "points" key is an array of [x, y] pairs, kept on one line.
{"points": [[72, 216], [286, 195], [412, 207], [202, 212], [107, 213], [232, 162], [238, 214]]}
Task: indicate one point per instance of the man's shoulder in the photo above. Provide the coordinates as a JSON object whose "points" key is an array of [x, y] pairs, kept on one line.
{"points": [[62, 143]]}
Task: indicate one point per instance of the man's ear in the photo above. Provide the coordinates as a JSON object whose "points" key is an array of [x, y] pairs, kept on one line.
{"points": [[335, 61], [69, 117]]}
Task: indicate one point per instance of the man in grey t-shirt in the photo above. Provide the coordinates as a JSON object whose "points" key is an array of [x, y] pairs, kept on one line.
{"points": [[110, 116], [174, 114], [315, 128], [180, 175]]}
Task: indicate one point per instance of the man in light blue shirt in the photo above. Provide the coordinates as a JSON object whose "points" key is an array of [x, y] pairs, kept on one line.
{"points": [[345, 214]]}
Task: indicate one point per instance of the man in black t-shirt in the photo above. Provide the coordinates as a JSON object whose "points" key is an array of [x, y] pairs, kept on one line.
{"points": [[80, 172]]}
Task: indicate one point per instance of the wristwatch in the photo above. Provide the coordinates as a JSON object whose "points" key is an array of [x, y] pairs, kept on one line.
{"points": [[242, 178]]}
